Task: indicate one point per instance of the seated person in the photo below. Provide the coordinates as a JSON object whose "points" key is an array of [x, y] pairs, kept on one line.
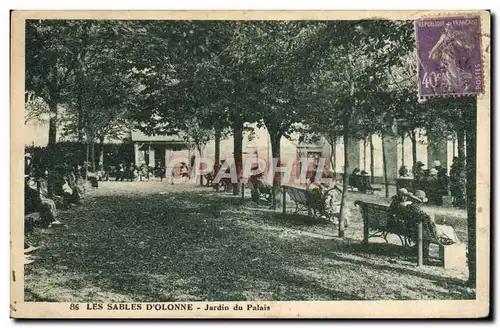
{"points": [[34, 202], [71, 195], [364, 182], [395, 214], [184, 170], [418, 171], [444, 234], [354, 179], [255, 183], [443, 182], [411, 213], [403, 171], [432, 186]]}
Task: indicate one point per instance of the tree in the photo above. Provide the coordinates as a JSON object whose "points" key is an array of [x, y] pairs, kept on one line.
{"points": [[52, 51], [362, 52], [471, 133], [196, 135], [35, 108], [101, 94]]}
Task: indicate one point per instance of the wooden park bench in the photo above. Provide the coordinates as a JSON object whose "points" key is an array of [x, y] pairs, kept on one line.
{"points": [[375, 224], [353, 183], [322, 202]]}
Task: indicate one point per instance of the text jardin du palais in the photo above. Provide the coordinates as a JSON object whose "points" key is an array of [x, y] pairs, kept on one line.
{"points": [[173, 307]]}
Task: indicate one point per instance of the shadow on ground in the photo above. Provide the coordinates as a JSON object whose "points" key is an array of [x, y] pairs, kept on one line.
{"points": [[194, 244]]}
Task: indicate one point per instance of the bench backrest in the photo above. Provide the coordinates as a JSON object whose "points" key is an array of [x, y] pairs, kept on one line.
{"points": [[298, 195], [374, 214], [318, 199]]}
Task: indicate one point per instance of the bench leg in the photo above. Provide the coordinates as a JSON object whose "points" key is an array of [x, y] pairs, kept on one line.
{"points": [[441, 254], [384, 235], [365, 229], [284, 200], [403, 241], [420, 245]]}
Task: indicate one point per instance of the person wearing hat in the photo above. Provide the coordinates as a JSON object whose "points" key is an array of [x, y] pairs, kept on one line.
{"points": [[418, 170], [28, 165], [354, 178], [436, 165], [396, 218], [445, 234], [433, 188], [364, 182], [403, 171], [35, 202]]}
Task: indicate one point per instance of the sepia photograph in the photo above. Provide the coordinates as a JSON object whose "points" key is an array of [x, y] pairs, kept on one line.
{"points": [[218, 164]]}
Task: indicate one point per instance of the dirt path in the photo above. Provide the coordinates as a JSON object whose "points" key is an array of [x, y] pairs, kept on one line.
{"points": [[150, 241]]}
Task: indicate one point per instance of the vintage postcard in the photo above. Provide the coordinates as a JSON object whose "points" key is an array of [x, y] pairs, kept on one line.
{"points": [[250, 164]]}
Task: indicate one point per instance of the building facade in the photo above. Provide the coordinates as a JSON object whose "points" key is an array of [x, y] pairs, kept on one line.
{"points": [[161, 150]]}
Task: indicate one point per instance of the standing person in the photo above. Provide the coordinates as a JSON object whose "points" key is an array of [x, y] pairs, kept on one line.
{"points": [[160, 171], [121, 172], [418, 175], [144, 172], [131, 172]]}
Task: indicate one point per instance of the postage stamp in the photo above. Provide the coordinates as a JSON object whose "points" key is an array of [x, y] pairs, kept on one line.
{"points": [[449, 52]]}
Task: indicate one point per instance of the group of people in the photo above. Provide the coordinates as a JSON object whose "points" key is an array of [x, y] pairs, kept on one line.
{"points": [[40, 204], [360, 180], [405, 213], [131, 172], [434, 181]]}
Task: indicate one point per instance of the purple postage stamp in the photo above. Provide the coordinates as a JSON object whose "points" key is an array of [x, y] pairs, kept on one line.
{"points": [[449, 56]]}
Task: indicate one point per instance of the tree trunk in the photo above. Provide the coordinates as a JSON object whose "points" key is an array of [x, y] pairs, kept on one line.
{"points": [[461, 197], [52, 147], [87, 160], [52, 124], [334, 147], [471, 196], [332, 157], [238, 154], [384, 164], [101, 150], [200, 151], [372, 160], [80, 122], [461, 146], [345, 184], [364, 153], [92, 155], [413, 138], [217, 145], [217, 153], [402, 150], [275, 151]]}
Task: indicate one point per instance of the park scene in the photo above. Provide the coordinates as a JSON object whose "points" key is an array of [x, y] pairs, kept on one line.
{"points": [[172, 160]]}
